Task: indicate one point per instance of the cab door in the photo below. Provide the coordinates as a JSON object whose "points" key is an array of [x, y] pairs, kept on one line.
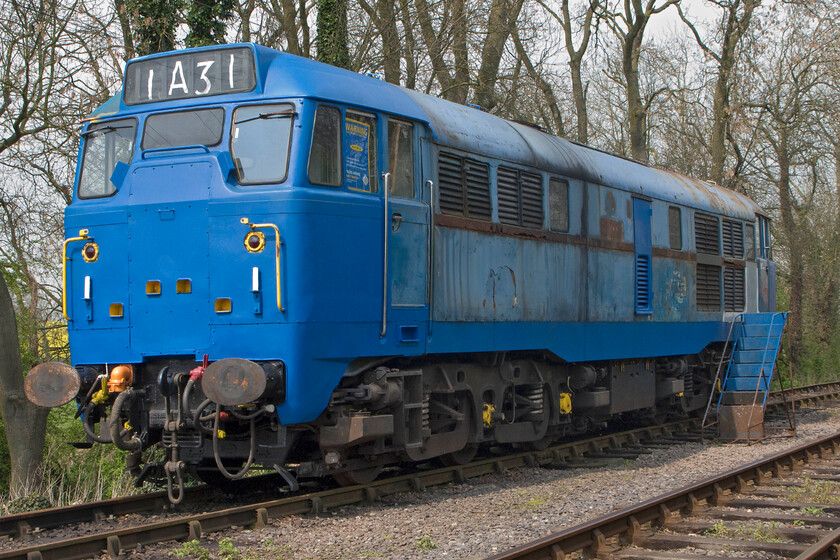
{"points": [[408, 238]]}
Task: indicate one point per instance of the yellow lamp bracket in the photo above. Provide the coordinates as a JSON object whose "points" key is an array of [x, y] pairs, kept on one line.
{"points": [[83, 236], [277, 243]]}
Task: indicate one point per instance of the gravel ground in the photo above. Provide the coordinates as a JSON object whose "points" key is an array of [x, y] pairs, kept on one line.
{"points": [[488, 514]]}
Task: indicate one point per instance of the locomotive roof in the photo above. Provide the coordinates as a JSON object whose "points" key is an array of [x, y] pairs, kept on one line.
{"points": [[471, 130]]}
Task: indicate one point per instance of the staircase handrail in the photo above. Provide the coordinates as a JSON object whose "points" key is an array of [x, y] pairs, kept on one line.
{"points": [[761, 373], [717, 373], [781, 314]]}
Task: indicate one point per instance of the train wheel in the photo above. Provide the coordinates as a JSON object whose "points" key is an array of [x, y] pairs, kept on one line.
{"points": [[539, 445], [461, 457], [358, 476]]}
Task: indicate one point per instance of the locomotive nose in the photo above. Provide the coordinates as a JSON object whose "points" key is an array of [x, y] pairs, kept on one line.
{"points": [[51, 384]]}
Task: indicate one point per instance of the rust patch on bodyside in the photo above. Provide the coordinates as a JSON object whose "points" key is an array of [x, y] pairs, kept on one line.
{"points": [[444, 220], [675, 255], [612, 229], [609, 204], [630, 208]]}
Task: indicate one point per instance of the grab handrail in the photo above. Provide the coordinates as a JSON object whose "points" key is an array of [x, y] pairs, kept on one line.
{"points": [[277, 243], [83, 236]]}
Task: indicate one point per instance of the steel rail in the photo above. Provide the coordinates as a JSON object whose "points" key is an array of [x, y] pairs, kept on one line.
{"points": [[256, 515], [626, 523], [19, 525]]}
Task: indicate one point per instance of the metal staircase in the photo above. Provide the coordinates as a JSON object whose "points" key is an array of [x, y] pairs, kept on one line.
{"points": [[742, 391]]}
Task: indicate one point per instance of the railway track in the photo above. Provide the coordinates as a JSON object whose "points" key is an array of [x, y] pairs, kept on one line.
{"points": [[776, 505], [591, 451], [608, 447]]}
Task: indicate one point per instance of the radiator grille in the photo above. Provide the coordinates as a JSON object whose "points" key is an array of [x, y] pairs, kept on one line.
{"points": [[733, 239], [532, 200], [508, 192], [450, 189], [520, 198], [642, 283], [706, 234], [708, 287], [464, 188], [733, 289]]}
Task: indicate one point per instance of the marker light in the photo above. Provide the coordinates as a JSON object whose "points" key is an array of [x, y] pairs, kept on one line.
{"points": [[255, 241], [153, 288], [183, 286], [90, 252]]}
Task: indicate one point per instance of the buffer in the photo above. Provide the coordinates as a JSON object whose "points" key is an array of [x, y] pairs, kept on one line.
{"points": [[754, 339]]}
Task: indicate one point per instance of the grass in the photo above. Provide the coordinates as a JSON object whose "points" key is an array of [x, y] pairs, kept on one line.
{"points": [[821, 491], [59, 483], [191, 549], [426, 543], [761, 533]]}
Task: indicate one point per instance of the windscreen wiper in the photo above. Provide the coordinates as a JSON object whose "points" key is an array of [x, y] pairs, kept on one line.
{"points": [[274, 115], [106, 129]]}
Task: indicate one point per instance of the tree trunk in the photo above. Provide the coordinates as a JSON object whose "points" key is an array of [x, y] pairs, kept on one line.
{"points": [[575, 62], [25, 423], [410, 46], [636, 114], [500, 22], [556, 121], [390, 41], [579, 95], [734, 30], [332, 33], [290, 30], [125, 27], [795, 254]]}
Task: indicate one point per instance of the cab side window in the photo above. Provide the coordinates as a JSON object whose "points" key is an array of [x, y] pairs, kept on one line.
{"points": [[360, 150], [325, 154], [401, 158]]}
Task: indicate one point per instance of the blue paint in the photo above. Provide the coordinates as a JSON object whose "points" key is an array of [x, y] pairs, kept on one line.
{"points": [[643, 269], [177, 215]]}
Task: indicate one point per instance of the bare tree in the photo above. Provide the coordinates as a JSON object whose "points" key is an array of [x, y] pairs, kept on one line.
{"points": [[576, 55], [786, 108], [36, 66], [735, 21], [628, 21]]}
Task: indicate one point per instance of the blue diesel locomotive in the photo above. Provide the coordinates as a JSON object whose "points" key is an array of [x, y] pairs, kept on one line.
{"points": [[274, 263]]}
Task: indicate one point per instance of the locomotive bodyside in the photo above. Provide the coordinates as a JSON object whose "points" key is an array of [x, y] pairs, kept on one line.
{"points": [[315, 267]]}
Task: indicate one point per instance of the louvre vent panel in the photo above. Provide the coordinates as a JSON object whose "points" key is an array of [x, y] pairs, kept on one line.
{"points": [[708, 287], [450, 189], [733, 289], [642, 282], [532, 200], [508, 192], [478, 190], [706, 234], [733, 239]]}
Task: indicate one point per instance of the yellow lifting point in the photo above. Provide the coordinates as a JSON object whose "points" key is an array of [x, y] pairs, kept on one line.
{"points": [[565, 404], [221, 434], [101, 395], [487, 415]]}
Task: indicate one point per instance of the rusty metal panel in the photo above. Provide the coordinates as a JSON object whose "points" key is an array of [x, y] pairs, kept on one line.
{"points": [[481, 277], [610, 287], [741, 421]]}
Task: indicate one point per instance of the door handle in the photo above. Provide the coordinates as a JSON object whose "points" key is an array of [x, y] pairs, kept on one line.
{"points": [[396, 222]]}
